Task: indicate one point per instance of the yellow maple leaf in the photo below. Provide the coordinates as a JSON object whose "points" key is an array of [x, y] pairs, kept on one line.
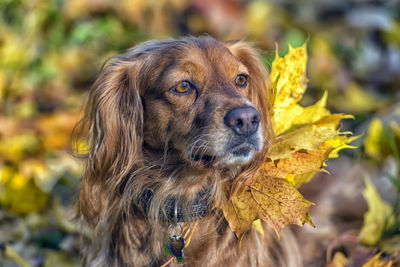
{"points": [[298, 128], [338, 143], [271, 199], [288, 76], [300, 162], [305, 138], [375, 217]]}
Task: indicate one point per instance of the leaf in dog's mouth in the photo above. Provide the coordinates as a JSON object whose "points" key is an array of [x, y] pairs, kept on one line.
{"points": [[306, 137]]}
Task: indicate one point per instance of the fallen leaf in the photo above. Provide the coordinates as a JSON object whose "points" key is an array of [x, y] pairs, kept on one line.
{"points": [[375, 217], [390, 245], [59, 259], [373, 140], [19, 193], [257, 13], [3, 83], [357, 99], [12, 254], [56, 129], [339, 260], [375, 262], [15, 148]]}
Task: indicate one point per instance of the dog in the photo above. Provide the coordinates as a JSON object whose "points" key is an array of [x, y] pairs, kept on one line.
{"points": [[172, 128]]}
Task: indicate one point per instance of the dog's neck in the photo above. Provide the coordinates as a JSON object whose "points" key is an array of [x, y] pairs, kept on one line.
{"points": [[173, 211]]}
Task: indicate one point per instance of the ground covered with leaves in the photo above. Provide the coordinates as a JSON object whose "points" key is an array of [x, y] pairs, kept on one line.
{"points": [[51, 51]]}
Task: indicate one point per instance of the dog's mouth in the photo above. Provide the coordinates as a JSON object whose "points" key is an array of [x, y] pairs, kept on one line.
{"points": [[242, 150], [238, 154], [203, 160]]}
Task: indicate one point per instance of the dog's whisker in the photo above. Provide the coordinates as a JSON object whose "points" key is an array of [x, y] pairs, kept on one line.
{"points": [[195, 142], [195, 149]]}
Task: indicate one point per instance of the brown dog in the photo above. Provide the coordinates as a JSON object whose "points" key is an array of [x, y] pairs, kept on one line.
{"points": [[171, 126]]}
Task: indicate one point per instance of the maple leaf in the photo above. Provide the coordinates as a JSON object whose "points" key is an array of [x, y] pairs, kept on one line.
{"points": [[271, 199], [289, 82], [305, 138], [298, 128]]}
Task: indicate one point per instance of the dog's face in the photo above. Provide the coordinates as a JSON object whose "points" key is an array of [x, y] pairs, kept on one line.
{"points": [[205, 101], [199, 103]]}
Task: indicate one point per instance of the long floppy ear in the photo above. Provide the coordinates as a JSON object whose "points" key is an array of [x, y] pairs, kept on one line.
{"points": [[258, 81], [114, 132]]}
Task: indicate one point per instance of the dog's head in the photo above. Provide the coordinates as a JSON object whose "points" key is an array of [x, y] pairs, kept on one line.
{"points": [[206, 100], [203, 101]]}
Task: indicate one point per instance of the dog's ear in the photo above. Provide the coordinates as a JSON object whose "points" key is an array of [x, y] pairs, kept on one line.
{"points": [[114, 132], [259, 83]]}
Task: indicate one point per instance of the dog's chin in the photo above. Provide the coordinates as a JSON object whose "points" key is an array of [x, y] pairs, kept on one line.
{"points": [[237, 156]]}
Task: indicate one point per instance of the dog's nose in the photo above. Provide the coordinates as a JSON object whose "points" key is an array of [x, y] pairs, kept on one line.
{"points": [[243, 120]]}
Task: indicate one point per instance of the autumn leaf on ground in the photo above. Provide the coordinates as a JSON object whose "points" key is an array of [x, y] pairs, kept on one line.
{"points": [[373, 142], [19, 193], [305, 138], [339, 260], [375, 262], [12, 254], [376, 216]]}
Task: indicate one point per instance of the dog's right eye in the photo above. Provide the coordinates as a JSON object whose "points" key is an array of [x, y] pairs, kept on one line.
{"points": [[183, 87]]}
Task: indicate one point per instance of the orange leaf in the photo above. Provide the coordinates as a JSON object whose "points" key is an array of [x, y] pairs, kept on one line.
{"points": [[271, 199]]}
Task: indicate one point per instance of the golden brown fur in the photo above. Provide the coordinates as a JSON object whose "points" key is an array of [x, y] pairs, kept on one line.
{"points": [[142, 134]]}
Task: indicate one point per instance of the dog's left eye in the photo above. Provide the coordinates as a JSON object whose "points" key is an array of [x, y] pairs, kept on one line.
{"points": [[241, 80], [183, 87]]}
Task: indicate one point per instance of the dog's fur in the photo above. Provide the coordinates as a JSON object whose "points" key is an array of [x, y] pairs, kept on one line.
{"points": [[143, 134]]}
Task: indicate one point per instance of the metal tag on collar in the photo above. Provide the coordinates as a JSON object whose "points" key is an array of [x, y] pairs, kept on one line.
{"points": [[174, 243]]}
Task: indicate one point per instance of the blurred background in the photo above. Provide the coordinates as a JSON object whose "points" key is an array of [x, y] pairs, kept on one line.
{"points": [[51, 51]]}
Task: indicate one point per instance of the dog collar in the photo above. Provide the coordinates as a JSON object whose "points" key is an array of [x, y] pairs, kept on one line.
{"points": [[172, 209]]}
